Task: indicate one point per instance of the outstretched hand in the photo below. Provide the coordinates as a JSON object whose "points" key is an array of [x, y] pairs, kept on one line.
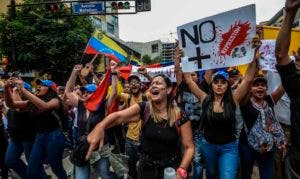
{"points": [[77, 68], [292, 5], [96, 140]]}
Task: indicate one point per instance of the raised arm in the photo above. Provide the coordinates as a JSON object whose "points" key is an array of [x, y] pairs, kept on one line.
{"points": [[194, 87], [177, 69], [277, 93], [73, 100], [96, 137], [114, 79], [284, 37], [10, 99], [243, 88]]}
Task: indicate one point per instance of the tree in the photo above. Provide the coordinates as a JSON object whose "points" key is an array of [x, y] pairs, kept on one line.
{"points": [[44, 42], [156, 59], [146, 59]]}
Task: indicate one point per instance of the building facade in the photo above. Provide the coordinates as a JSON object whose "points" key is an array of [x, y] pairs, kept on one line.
{"points": [[164, 50], [107, 23]]}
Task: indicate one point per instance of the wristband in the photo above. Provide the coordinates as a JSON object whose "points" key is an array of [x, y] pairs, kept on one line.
{"points": [[182, 172], [114, 73]]}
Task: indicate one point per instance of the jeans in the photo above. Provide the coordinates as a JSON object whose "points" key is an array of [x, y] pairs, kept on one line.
{"points": [[100, 163], [220, 159], [3, 146], [101, 168], [266, 162], [48, 147], [198, 166], [13, 156], [132, 151]]}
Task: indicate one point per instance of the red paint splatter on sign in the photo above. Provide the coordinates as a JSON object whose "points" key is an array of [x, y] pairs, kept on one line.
{"points": [[234, 37]]}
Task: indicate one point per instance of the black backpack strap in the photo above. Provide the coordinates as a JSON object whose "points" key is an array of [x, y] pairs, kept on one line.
{"points": [[145, 111], [144, 98]]}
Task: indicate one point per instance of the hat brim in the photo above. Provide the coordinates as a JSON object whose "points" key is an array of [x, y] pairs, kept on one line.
{"points": [[133, 77]]}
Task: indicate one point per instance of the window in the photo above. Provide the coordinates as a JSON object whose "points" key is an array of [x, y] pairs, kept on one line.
{"points": [[110, 28], [154, 48], [97, 22], [114, 20]]}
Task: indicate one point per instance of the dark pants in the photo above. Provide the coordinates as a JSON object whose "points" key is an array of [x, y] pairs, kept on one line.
{"points": [[47, 147], [148, 170], [3, 146], [13, 156], [131, 150], [266, 162]]}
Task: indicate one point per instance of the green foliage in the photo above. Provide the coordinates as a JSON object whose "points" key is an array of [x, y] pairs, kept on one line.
{"points": [[146, 59], [156, 60], [45, 42]]}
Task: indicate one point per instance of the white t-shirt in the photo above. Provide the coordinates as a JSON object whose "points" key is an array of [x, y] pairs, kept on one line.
{"points": [[282, 107]]}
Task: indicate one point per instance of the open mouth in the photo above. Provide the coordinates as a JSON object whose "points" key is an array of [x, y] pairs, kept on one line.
{"points": [[155, 93]]}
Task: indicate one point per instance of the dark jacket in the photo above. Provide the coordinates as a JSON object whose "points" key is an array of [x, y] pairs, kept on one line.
{"points": [[290, 78]]}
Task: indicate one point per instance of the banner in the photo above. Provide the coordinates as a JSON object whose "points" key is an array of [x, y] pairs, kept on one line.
{"points": [[168, 71], [219, 41], [267, 59]]}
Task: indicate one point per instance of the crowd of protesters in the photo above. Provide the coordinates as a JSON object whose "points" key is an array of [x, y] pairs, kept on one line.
{"points": [[220, 122]]}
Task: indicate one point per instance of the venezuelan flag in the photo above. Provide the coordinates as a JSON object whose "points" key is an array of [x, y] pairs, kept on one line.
{"points": [[135, 61], [99, 97], [101, 43]]}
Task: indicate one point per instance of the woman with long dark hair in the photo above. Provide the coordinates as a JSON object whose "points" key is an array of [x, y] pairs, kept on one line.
{"points": [[49, 141], [21, 130], [164, 126], [219, 145]]}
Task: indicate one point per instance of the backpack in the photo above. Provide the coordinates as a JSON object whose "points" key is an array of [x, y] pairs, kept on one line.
{"points": [[259, 134], [62, 116]]}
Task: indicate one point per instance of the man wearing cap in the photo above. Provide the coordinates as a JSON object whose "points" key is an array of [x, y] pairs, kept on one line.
{"points": [[134, 128], [290, 78], [86, 121]]}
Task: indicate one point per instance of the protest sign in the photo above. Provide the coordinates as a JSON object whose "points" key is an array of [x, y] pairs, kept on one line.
{"points": [[168, 71], [267, 59], [219, 41]]}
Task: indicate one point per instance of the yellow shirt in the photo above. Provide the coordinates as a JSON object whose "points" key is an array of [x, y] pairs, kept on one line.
{"points": [[134, 128]]}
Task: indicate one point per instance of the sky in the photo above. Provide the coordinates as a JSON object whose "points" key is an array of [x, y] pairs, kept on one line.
{"points": [[166, 15]]}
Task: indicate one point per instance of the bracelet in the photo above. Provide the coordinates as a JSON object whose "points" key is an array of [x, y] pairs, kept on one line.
{"points": [[114, 73], [182, 172]]}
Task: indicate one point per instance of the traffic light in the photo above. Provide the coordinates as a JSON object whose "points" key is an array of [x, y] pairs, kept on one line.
{"points": [[120, 5], [55, 8]]}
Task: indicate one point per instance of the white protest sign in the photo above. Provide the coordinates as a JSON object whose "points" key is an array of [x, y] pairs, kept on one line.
{"points": [[219, 41], [168, 71], [267, 59]]}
